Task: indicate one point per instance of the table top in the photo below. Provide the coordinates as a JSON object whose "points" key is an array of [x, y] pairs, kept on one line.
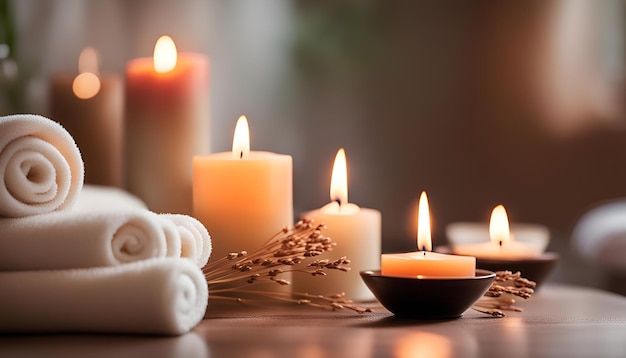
{"points": [[558, 320]]}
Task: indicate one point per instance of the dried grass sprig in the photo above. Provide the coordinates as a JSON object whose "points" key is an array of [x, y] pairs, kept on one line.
{"points": [[498, 297], [290, 250]]}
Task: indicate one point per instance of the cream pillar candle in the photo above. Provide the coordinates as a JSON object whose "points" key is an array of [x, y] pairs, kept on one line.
{"points": [[424, 262], [90, 107], [243, 197], [167, 123], [357, 233]]}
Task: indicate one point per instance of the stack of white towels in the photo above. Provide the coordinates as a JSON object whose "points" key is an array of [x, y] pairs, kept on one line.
{"points": [[88, 259]]}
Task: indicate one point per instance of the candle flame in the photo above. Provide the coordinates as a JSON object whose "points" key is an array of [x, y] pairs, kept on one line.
{"points": [[165, 55], [339, 179], [499, 225], [87, 84], [424, 242], [241, 139]]}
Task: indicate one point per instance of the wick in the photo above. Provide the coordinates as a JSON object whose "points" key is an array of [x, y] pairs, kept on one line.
{"points": [[500, 242], [241, 154], [338, 201]]}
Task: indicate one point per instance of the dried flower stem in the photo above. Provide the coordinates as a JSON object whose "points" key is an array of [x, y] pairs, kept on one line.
{"points": [[495, 300], [286, 251]]}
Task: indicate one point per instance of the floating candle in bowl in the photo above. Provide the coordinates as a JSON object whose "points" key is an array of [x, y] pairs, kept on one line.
{"points": [[424, 284], [520, 249], [502, 244], [424, 262]]}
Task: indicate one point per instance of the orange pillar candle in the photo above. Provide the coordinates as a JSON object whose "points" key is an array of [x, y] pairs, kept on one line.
{"points": [[167, 123], [424, 262], [243, 197], [91, 108], [357, 233]]}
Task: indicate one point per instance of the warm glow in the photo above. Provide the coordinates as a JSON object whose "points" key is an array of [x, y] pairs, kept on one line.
{"points": [[86, 85], [241, 140], [339, 179], [423, 224], [422, 345], [88, 61], [165, 55], [499, 225]]}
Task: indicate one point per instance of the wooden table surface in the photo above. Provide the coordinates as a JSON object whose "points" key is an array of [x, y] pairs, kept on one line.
{"points": [[558, 321]]}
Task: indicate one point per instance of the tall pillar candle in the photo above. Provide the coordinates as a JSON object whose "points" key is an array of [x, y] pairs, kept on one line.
{"points": [[90, 107], [243, 197], [357, 233], [167, 123]]}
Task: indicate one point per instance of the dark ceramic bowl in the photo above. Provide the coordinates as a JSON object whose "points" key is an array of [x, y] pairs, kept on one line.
{"points": [[427, 297], [535, 269]]}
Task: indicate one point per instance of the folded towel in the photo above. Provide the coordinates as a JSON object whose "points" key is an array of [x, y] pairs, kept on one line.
{"points": [[69, 239], [40, 166], [194, 237], [157, 296], [600, 235], [96, 197]]}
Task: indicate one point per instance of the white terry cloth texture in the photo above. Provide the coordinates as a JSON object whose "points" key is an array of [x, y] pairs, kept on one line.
{"points": [[165, 296], [600, 235], [69, 239], [40, 166], [194, 237], [98, 197]]}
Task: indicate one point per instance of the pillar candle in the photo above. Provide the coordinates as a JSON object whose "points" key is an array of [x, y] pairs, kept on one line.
{"points": [[357, 233], [90, 107], [243, 197], [423, 262], [167, 123]]}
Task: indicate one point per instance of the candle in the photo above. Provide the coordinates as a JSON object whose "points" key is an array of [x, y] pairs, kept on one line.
{"points": [[357, 233], [502, 245], [243, 197], [424, 262], [167, 123], [90, 107]]}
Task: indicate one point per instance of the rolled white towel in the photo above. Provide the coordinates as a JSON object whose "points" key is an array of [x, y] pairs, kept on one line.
{"points": [[157, 296], [69, 239], [194, 237], [41, 168]]}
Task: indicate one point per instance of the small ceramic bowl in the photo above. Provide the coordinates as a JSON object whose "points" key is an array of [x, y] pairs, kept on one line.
{"points": [[535, 269], [428, 297]]}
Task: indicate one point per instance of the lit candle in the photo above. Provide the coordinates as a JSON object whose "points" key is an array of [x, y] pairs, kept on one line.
{"points": [[167, 123], [501, 244], [243, 197], [355, 230], [90, 107], [424, 262]]}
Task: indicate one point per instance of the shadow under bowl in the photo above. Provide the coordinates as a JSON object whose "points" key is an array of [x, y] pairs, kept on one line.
{"points": [[535, 269], [428, 297]]}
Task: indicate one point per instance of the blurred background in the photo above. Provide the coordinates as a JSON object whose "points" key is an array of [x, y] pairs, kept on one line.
{"points": [[479, 103]]}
